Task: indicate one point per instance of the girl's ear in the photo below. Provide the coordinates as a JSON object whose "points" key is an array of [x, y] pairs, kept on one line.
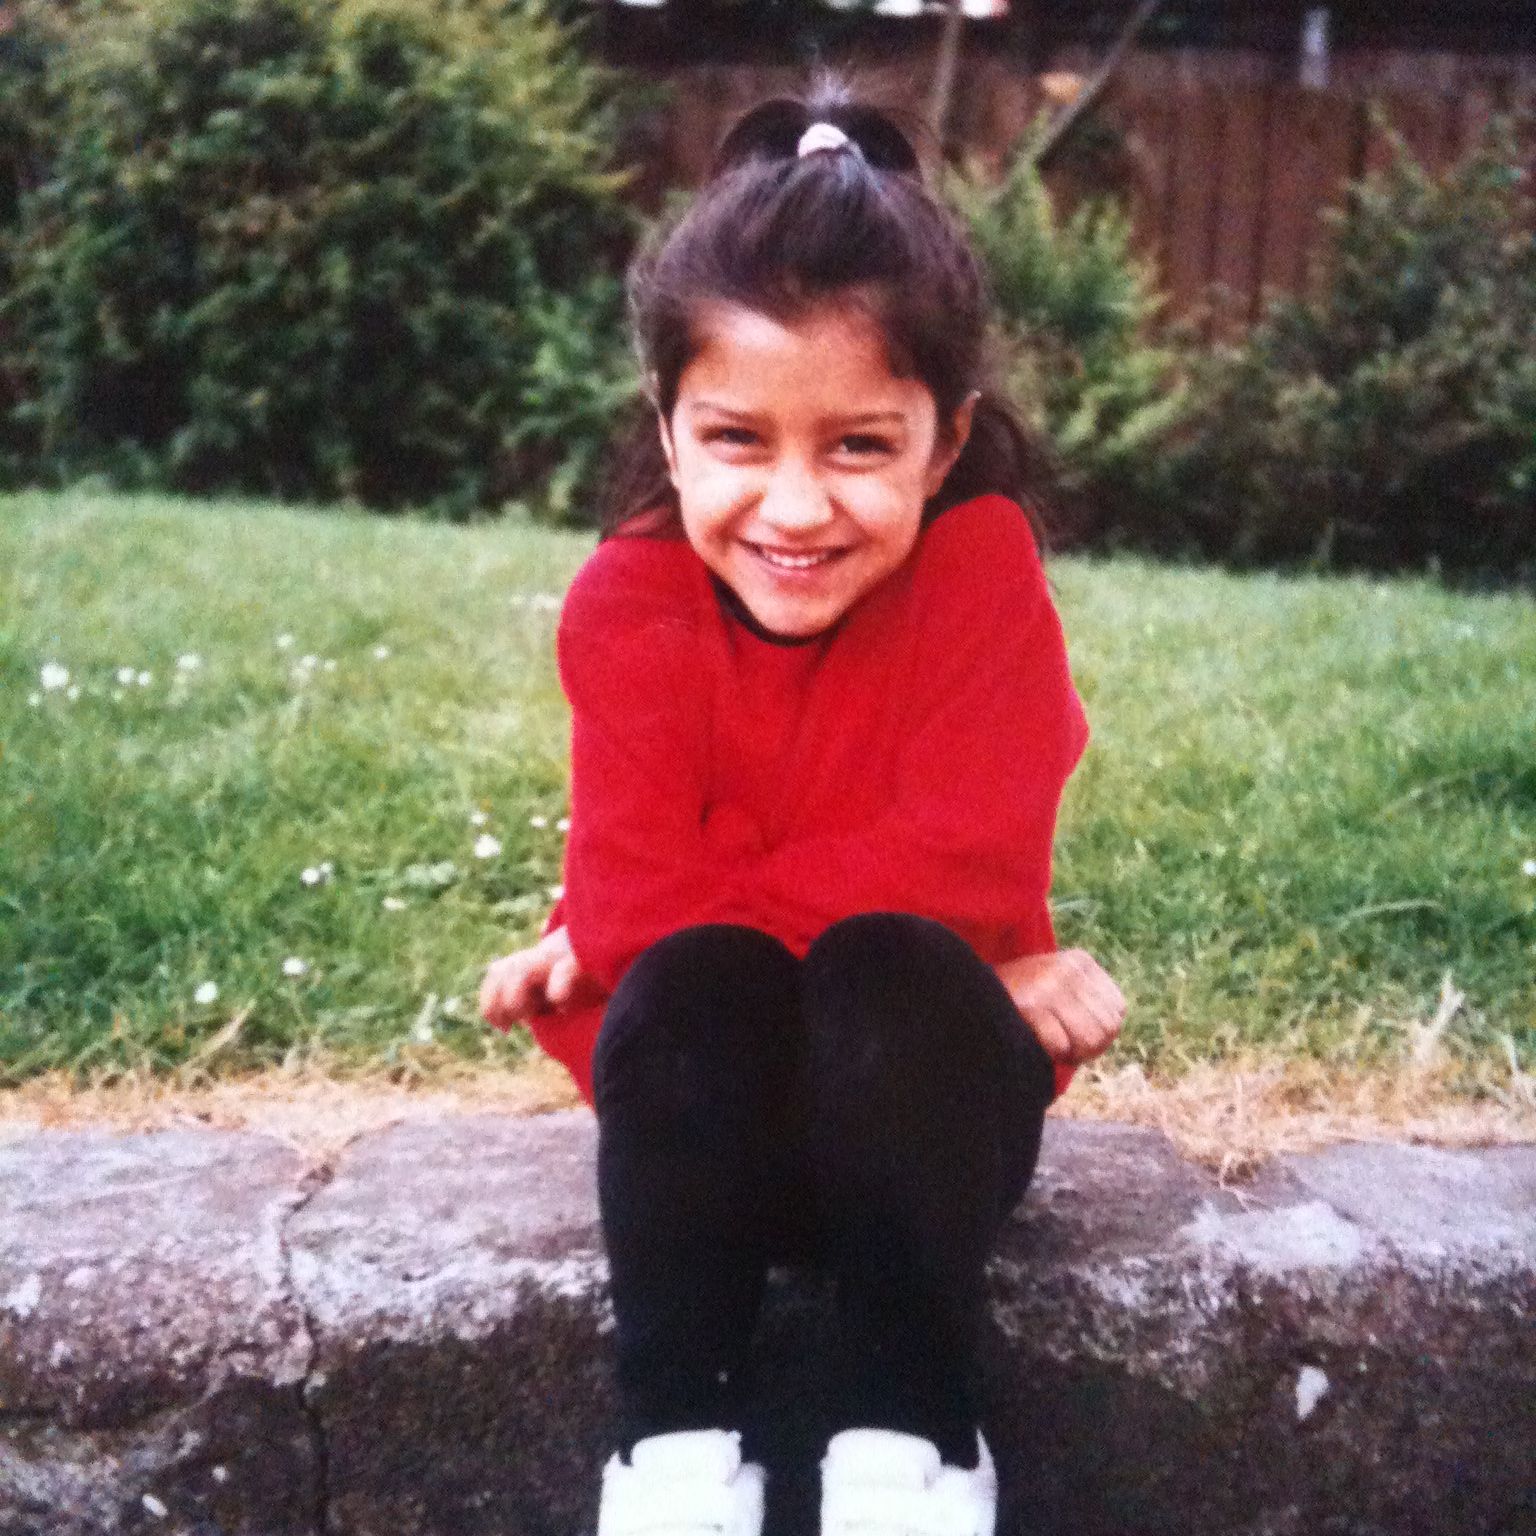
{"points": [[951, 442]]}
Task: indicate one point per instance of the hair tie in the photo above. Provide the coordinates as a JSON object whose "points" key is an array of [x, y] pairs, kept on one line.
{"points": [[824, 136]]}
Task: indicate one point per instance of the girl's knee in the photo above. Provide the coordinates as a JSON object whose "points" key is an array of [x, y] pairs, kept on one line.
{"points": [[682, 1002], [705, 959], [897, 999], [896, 972], [875, 937]]}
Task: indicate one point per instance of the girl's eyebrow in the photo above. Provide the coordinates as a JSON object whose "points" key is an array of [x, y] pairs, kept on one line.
{"points": [[718, 408], [854, 418], [869, 418]]}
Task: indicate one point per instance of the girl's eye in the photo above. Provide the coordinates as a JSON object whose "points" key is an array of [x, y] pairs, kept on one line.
{"points": [[733, 437], [865, 443]]}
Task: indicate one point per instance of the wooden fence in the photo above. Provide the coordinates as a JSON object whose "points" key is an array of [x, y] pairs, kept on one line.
{"points": [[1224, 161], [1227, 183]]}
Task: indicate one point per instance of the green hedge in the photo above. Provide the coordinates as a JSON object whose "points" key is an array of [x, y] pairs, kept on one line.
{"points": [[1386, 422], [1389, 421], [314, 249]]}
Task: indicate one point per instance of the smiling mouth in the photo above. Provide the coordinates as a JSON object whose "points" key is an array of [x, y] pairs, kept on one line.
{"points": [[786, 560]]}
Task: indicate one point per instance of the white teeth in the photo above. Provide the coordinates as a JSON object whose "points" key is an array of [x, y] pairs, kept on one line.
{"points": [[794, 562]]}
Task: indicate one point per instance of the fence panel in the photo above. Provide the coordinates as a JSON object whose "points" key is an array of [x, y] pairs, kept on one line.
{"points": [[1199, 127], [1231, 180], [1240, 223]]}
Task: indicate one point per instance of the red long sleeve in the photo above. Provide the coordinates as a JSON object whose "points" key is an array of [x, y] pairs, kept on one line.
{"points": [[912, 760]]}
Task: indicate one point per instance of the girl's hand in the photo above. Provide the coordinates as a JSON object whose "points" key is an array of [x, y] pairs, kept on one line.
{"points": [[1069, 1001], [536, 981]]}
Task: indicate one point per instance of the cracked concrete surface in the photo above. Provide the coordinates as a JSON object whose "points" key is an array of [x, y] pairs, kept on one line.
{"points": [[161, 1361], [312, 1183], [202, 1332]]}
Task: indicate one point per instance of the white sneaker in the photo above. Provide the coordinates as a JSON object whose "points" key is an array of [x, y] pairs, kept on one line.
{"points": [[880, 1482], [691, 1482]]}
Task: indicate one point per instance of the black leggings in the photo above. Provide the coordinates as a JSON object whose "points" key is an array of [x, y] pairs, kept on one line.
{"points": [[875, 1108]]}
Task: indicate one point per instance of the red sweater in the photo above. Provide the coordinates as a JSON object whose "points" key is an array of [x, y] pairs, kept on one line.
{"points": [[911, 760]]}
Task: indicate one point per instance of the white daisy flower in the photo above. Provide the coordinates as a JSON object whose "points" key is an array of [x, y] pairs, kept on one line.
{"points": [[72, 692], [1529, 867], [206, 993], [309, 661], [421, 1032], [327, 868], [564, 824], [285, 642], [478, 818], [53, 676], [329, 665], [293, 966], [312, 876], [451, 1006], [486, 846], [393, 904], [126, 675], [145, 679], [557, 891], [538, 821], [188, 663], [34, 699], [381, 653]]}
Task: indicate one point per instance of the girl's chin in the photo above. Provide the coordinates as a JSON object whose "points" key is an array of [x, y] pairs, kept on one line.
{"points": [[793, 623]]}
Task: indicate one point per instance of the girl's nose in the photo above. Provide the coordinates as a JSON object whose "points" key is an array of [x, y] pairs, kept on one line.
{"points": [[795, 500]]}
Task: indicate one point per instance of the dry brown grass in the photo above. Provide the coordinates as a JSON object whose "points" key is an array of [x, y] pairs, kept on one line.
{"points": [[317, 1106], [1230, 1117], [1227, 1117]]}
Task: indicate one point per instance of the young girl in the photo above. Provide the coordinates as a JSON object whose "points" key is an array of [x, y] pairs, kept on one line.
{"points": [[803, 966]]}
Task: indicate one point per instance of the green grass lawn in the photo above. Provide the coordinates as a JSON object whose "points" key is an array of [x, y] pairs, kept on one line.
{"points": [[1305, 800]]}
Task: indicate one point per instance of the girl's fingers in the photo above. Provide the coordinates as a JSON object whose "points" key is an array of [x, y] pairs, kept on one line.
{"points": [[1096, 1004], [1091, 1033], [490, 992], [562, 975], [1050, 1032], [1100, 1015], [506, 993], [1072, 1005], [1110, 998], [1083, 1033]]}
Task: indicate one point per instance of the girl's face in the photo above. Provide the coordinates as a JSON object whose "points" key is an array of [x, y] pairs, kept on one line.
{"points": [[802, 462]]}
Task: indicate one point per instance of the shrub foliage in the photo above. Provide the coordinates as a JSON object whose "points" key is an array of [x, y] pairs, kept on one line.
{"points": [[1076, 308], [1389, 420], [1385, 421], [312, 248]]}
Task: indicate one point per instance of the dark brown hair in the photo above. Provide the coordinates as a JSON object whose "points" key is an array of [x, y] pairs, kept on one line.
{"points": [[778, 233]]}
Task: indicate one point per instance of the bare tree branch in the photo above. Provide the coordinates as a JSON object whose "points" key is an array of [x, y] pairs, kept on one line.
{"points": [[1071, 115], [942, 98]]}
